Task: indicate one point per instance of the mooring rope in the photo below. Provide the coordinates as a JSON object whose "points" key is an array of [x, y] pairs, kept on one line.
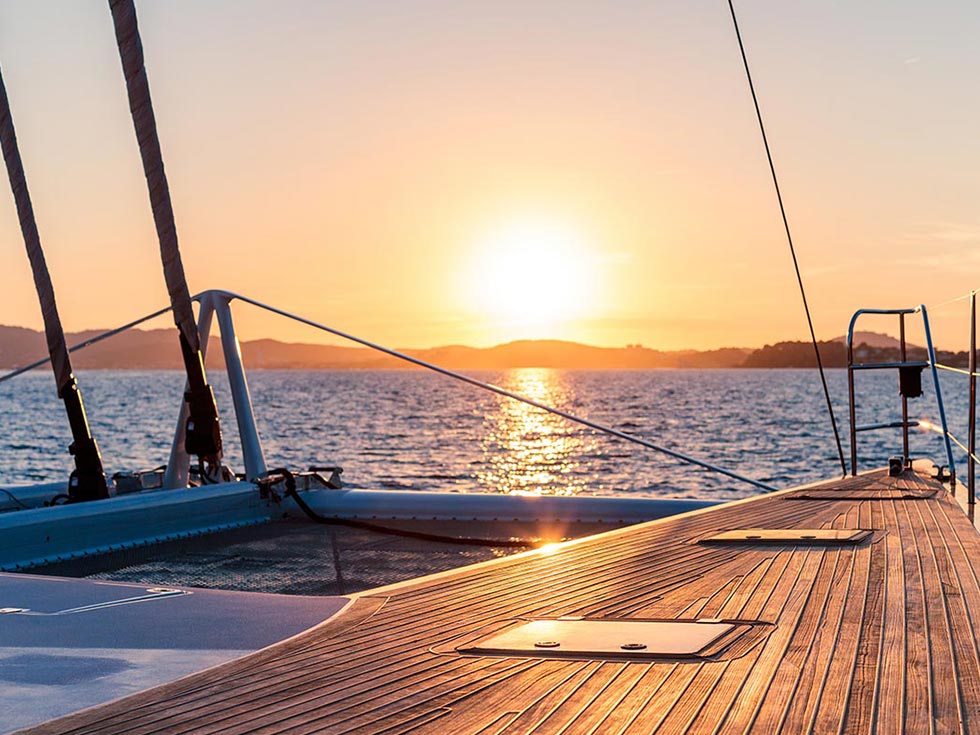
{"points": [[789, 239], [88, 481]]}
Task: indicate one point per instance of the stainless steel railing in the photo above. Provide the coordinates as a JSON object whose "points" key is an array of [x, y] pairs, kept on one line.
{"points": [[903, 363], [971, 372]]}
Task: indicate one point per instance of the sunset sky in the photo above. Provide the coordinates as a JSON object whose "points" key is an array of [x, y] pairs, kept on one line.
{"points": [[426, 173]]}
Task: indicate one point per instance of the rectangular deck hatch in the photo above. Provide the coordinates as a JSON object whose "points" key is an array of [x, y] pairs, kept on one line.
{"points": [[631, 639], [791, 536]]}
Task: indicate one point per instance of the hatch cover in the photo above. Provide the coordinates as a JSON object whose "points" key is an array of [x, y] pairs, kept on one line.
{"points": [[630, 639], [791, 536]]}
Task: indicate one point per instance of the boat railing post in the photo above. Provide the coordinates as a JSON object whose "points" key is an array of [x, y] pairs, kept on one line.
{"points": [[178, 465], [939, 398], [852, 406], [903, 356], [241, 397], [971, 467]]}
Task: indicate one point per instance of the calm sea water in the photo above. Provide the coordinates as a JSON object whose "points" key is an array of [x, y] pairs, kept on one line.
{"points": [[418, 431]]}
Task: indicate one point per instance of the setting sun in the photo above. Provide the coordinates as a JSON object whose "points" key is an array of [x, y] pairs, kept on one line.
{"points": [[531, 274]]}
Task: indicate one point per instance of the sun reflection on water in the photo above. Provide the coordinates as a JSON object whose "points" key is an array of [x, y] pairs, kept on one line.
{"points": [[529, 451]]}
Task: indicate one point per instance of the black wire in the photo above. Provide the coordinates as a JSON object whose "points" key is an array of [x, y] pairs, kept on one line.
{"points": [[364, 525], [789, 238], [14, 498]]}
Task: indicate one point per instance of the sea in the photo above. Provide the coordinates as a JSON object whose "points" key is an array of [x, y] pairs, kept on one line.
{"points": [[414, 430]]}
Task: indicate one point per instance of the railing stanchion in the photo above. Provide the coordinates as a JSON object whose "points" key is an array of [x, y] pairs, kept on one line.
{"points": [[903, 356], [939, 398], [852, 406], [971, 467]]}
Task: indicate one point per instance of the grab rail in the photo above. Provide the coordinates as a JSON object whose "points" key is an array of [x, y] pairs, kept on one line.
{"points": [[902, 362]]}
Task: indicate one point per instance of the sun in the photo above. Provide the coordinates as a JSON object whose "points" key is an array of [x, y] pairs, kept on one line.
{"points": [[531, 275]]}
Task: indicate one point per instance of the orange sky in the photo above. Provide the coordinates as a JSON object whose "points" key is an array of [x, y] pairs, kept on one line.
{"points": [[425, 173]]}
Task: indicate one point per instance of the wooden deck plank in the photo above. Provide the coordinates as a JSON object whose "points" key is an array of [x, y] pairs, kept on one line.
{"points": [[945, 691], [918, 651], [846, 644], [963, 620], [876, 637]]}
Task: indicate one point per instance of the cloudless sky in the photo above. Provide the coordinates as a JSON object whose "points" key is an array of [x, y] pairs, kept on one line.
{"points": [[434, 172]]}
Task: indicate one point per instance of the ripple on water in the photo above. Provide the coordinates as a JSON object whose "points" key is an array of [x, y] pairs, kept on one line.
{"points": [[411, 430]]}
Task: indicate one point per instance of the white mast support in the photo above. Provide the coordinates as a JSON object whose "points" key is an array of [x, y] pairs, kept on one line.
{"points": [[247, 430], [178, 465]]}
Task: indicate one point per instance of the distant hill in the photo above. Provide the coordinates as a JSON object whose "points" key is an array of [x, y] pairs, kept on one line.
{"points": [[797, 355], [157, 349], [876, 340], [834, 355]]}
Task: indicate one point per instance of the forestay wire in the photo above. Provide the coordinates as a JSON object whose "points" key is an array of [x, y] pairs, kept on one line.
{"points": [[789, 239]]}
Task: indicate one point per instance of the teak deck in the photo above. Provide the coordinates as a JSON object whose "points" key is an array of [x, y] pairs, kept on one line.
{"points": [[877, 636]]}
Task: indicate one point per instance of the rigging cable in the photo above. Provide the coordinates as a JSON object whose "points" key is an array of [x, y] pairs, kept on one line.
{"points": [[84, 343], [463, 378], [789, 239], [17, 501], [88, 480], [202, 430]]}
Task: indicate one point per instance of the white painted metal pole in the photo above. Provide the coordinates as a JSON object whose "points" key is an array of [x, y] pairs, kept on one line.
{"points": [[179, 463], [247, 430]]}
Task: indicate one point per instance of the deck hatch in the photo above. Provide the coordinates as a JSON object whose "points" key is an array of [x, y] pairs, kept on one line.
{"points": [[791, 536], [627, 639]]}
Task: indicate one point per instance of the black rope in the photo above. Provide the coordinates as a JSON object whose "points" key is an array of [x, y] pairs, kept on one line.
{"points": [[87, 481], [789, 239], [203, 429], [291, 492]]}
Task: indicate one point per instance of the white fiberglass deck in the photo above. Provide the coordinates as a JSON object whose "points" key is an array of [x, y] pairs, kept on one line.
{"points": [[66, 644]]}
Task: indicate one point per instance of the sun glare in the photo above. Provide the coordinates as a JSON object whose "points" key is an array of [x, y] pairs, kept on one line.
{"points": [[531, 274]]}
